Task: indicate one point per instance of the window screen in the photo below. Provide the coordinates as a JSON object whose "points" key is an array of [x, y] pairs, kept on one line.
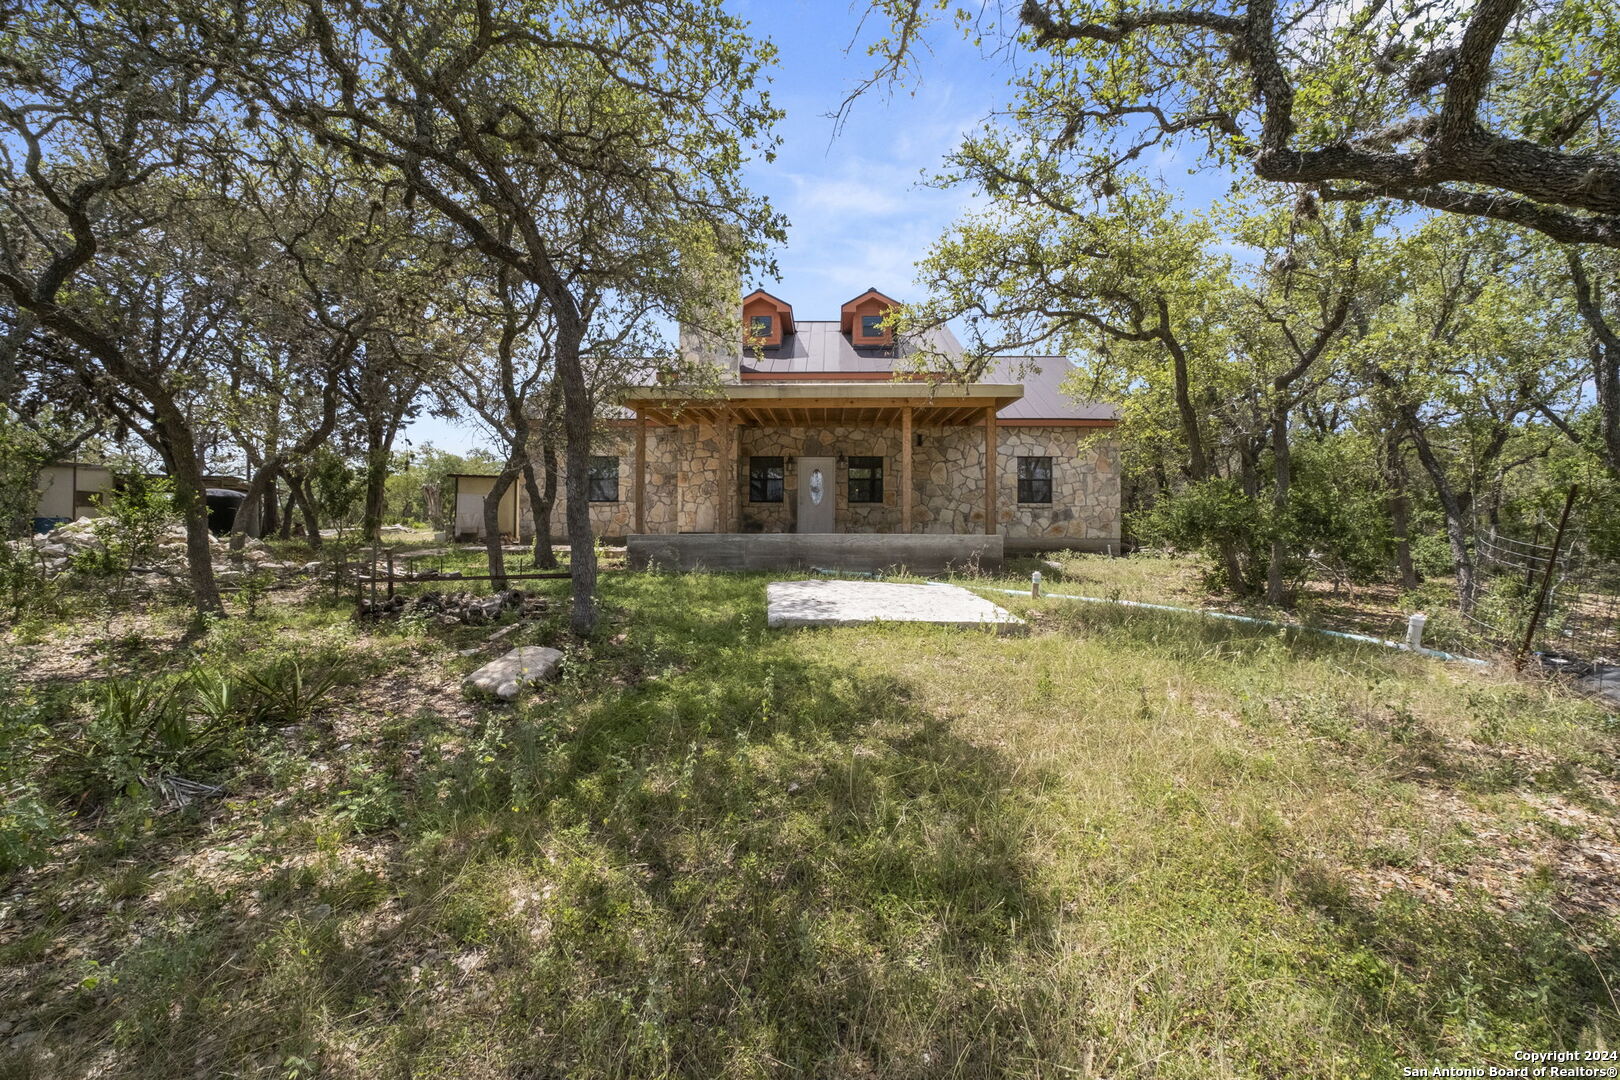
{"points": [[1034, 479], [765, 479], [602, 485], [865, 479]]}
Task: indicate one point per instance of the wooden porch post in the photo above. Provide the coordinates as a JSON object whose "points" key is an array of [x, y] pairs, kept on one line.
{"points": [[641, 473], [990, 472], [905, 469], [728, 474]]}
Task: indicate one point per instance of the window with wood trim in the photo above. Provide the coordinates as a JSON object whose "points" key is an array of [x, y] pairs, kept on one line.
{"points": [[1034, 479], [865, 479], [602, 482], [759, 327], [765, 479], [872, 326]]}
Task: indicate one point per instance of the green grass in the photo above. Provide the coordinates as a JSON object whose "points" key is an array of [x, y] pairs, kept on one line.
{"points": [[1129, 844]]}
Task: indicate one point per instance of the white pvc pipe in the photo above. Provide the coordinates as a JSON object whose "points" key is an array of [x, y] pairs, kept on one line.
{"points": [[1414, 629], [1365, 639]]}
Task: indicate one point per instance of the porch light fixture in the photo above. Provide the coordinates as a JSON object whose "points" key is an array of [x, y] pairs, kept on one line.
{"points": [[789, 462]]}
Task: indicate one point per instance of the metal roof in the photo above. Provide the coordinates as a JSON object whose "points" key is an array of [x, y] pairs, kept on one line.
{"points": [[820, 348], [1042, 378]]}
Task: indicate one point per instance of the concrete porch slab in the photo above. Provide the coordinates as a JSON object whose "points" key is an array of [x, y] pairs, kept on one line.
{"points": [[793, 604]]}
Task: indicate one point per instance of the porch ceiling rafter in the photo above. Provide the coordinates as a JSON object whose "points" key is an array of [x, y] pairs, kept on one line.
{"points": [[805, 404]]}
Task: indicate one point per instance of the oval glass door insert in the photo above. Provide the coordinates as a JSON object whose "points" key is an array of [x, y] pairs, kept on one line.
{"points": [[815, 486]]}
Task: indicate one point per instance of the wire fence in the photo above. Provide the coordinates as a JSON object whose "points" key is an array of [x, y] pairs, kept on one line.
{"points": [[1579, 616]]}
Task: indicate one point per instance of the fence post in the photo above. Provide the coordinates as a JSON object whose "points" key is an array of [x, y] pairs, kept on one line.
{"points": [[1546, 578], [1035, 585]]}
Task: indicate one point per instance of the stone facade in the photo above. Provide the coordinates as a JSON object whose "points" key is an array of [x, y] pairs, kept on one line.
{"points": [[688, 466]]}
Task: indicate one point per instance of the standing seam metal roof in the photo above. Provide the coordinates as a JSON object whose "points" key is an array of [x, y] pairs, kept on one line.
{"points": [[820, 348]]}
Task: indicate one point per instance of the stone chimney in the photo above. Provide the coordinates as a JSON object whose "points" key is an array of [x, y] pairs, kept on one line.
{"points": [[715, 338]]}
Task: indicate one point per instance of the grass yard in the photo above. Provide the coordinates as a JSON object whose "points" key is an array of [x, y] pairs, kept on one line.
{"points": [[1129, 844]]}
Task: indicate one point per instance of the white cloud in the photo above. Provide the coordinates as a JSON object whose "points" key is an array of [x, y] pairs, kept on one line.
{"points": [[839, 195]]}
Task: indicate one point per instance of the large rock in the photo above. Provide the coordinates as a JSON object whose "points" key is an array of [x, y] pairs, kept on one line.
{"points": [[506, 677]]}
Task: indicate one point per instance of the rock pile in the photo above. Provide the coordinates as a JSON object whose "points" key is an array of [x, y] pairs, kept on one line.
{"points": [[453, 609], [57, 548]]}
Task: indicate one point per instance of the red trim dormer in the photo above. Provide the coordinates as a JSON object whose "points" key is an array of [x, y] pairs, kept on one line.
{"points": [[766, 319], [862, 318]]}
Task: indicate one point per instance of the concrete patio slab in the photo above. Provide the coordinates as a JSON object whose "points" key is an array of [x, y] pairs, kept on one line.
{"points": [[828, 602]]}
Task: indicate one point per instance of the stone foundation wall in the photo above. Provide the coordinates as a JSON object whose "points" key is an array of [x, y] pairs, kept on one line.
{"points": [[686, 467]]}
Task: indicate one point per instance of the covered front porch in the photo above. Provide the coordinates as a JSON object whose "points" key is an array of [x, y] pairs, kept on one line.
{"points": [[817, 457]]}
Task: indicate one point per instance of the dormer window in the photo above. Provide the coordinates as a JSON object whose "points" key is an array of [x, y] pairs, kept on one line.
{"points": [[766, 319], [862, 319]]}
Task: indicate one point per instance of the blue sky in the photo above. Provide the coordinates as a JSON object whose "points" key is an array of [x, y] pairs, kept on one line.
{"points": [[858, 215]]}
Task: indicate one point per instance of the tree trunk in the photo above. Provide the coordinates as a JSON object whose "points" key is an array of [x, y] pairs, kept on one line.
{"points": [[269, 520], [577, 425], [376, 489], [542, 499], [287, 512], [1456, 509], [247, 519], [192, 502], [492, 528], [1197, 461], [1457, 539], [1400, 507], [1282, 479], [1605, 353], [306, 507]]}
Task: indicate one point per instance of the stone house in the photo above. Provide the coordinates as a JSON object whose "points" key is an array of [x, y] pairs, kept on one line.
{"points": [[813, 431]]}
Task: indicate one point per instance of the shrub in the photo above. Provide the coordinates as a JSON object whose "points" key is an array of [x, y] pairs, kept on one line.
{"points": [[1203, 517], [132, 522], [23, 581], [27, 822]]}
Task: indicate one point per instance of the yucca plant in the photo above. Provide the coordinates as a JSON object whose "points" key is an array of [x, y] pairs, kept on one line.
{"points": [[145, 734], [285, 692], [215, 696], [136, 725]]}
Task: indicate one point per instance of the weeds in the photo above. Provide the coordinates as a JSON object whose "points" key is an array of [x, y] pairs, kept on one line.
{"points": [[255, 587], [1130, 843], [141, 733], [140, 738]]}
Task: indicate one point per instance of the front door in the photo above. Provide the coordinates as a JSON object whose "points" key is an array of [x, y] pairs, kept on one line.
{"points": [[818, 494]]}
